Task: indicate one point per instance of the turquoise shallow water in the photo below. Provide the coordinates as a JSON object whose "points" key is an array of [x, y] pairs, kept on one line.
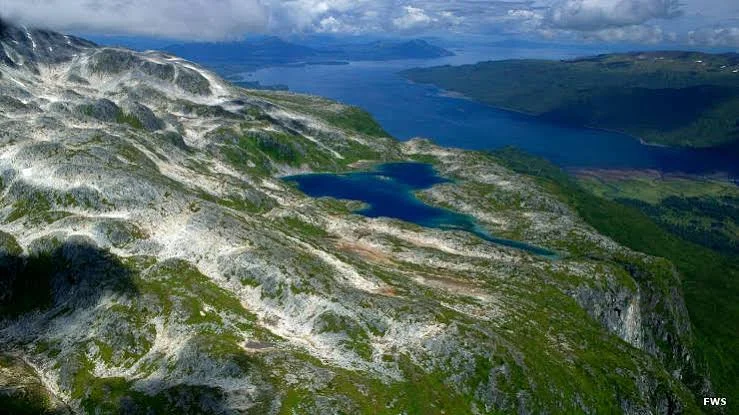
{"points": [[388, 191]]}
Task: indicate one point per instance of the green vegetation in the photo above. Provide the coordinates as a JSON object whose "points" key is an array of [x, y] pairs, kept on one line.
{"points": [[128, 336], [268, 302], [176, 283], [263, 149], [32, 206], [277, 146], [698, 210], [651, 187], [420, 394], [261, 152], [129, 119], [21, 391], [602, 372], [356, 119], [308, 229], [357, 338], [121, 233], [710, 280], [116, 395], [671, 98], [87, 110], [711, 222]]}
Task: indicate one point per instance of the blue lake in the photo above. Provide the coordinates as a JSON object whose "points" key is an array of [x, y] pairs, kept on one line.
{"points": [[388, 191], [408, 110]]}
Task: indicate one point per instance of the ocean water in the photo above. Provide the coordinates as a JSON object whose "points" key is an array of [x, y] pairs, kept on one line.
{"points": [[388, 191], [408, 110]]}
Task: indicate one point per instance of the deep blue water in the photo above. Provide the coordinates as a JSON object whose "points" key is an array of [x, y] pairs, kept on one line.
{"points": [[387, 191], [408, 110]]}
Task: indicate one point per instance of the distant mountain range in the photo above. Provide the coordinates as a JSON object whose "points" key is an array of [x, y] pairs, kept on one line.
{"points": [[267, 51]]}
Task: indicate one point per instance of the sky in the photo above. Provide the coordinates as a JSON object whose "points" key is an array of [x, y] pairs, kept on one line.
{"points": [[713, 23]]}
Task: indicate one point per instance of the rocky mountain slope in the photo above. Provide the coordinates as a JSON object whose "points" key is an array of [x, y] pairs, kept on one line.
{"points": [[153, 261]]}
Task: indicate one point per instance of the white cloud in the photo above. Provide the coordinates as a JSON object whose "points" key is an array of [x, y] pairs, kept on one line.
{"points": [[308, 15], [331, 24], [526, 20], [589, 15], [722, 36], [709, 22], [450, 18], [634, 33], [205, 19], [413, 18]]}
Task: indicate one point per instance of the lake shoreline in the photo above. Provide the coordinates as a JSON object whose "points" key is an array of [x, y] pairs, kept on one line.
{"points": [[458, 95], [389, 190], [407, 110]]}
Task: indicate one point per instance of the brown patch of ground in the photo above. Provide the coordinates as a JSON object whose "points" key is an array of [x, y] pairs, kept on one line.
{"points": [[366, 252]]}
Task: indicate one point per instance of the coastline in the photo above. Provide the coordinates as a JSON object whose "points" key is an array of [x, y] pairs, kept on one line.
{"points": [[626, 174], [459, 95]]}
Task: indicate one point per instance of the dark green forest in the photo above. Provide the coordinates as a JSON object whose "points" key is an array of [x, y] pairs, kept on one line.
{"points": [[710, 278], [686, 99]]}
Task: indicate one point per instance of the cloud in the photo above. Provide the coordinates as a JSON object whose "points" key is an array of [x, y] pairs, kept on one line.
{"points": [[204, 19], [634, 34], [591, 15], [634, 21], [722, 36], [700, 22], [331, 24], [295, 16], [227, 19], [413, 18]]}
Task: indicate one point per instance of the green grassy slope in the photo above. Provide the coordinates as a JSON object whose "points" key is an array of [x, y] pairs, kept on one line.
{"points": [[671, 98], [710, 280], [698, 210]]}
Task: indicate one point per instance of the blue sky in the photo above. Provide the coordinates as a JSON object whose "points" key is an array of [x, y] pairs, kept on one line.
{"points": [[697, 22]]}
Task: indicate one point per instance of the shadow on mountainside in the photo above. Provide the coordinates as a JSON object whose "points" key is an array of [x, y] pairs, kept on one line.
{"points": [[74, 272]]}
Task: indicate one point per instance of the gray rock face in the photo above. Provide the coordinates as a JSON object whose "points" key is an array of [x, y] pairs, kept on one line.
{"points": [[645, 318], [31, 47], [102, 109], [165, 72], [9, 104], [144, 115], [193, 82], [114, 61]]}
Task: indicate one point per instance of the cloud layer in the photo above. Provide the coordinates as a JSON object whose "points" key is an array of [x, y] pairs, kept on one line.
{"points": [[207, 19], [587, 15], [709, 22]]}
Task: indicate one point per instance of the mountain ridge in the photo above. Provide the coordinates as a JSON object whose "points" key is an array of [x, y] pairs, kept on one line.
{"points": [[272, 50]]}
